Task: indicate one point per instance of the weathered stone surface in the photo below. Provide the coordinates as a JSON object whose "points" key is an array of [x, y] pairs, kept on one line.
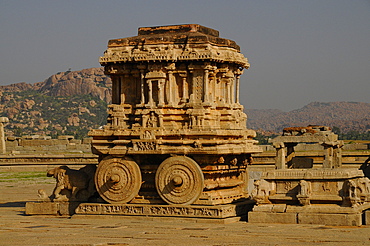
{"points": [[333, 195], [217, 211], [330, 219], [3, 120], [263, 217], [51, 208], [72, 185], [175, 99], [367, 217], [41, 208]]}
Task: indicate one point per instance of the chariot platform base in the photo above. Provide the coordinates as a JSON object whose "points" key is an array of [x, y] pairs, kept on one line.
{"points": [[239, 209]]}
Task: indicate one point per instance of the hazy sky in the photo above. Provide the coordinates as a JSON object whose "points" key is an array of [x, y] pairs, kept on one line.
{"points": [[300, 50]]}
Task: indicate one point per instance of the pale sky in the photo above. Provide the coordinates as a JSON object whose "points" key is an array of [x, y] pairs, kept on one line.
{"points": [[300, 51]]}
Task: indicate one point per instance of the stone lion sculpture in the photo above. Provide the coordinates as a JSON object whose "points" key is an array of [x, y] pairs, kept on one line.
{"points": [[71, 184]]}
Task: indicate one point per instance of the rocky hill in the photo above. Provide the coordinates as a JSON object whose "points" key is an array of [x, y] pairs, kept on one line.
{"points": [[91, 81], [347, 116], [67, 103]]}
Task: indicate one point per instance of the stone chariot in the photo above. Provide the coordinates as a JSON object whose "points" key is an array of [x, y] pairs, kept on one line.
{"points": [[176, 131]]}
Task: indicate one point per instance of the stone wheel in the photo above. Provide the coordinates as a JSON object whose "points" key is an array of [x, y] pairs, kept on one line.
{"points": [[179, 180], [118, 180]]}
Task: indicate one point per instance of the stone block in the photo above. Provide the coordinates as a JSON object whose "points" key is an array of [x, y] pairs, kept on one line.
{"points": [[279, 208], [366, 217], [354, 219], [75, 141], [264, 217], [66, 137], [67, 208], [71, 146], [51, 208], [41, 208], [263, 208], [60, 141], [86, 141]]}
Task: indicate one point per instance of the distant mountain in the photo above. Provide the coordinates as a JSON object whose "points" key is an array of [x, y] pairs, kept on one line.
{"points": [[91, 81], [347, 116]]}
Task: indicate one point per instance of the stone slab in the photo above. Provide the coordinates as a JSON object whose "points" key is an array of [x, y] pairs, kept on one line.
{"points": [[41, 208], [265, 217], [188, 211], [322, 209], [161, 219], [366, 217], [330, 219], [51, 208], [313, 174]]}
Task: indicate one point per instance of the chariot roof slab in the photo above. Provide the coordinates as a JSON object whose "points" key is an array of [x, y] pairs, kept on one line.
{"points": [[174, 43]]}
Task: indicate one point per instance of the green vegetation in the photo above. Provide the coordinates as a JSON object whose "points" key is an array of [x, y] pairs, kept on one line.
{"points": [[24, 176], [263, 139], [32, 112], [352, 135]]}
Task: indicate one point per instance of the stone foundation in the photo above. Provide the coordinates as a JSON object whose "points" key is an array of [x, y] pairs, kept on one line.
{"points": [[331, 215], [210, 212]]}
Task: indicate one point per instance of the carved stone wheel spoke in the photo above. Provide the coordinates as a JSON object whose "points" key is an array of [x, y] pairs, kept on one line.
{"points": [[179, 180], [118, 180]]}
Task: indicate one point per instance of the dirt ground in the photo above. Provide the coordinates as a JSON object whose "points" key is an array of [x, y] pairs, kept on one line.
{"points": [[19, 229]]}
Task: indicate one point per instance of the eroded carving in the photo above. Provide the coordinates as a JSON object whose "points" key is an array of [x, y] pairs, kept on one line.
{"points": [[262, 190], [71, 184], [304, 192], [357, 191], [175, 95]]}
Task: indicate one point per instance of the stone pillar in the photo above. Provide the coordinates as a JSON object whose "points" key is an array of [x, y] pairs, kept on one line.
{"points": [[150, 93], [237, 89], [116, 89], [328, 156], [290, 153], [161, 83], [232, 96], [142, 96], [197, 83], [160, 119], [185, 94], [228, 91], [337, 156], [280, 155], [206, 83], [3, 120], [122, 85], [171, 93]]}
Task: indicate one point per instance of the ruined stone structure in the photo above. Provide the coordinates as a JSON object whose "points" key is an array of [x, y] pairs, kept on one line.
{"points": [[298, 191], [176, 131], [3, 120]]}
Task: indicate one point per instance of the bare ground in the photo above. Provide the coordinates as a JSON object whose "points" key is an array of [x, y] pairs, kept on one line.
{"points": [[19, 229]]}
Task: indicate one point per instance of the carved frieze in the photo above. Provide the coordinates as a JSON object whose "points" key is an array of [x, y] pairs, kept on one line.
{"points": [[220, 211]]}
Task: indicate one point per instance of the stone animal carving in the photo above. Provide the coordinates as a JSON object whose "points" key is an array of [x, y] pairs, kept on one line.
{"points": [[71, 184], [261, 192], [304, 192], [358, 191]]}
